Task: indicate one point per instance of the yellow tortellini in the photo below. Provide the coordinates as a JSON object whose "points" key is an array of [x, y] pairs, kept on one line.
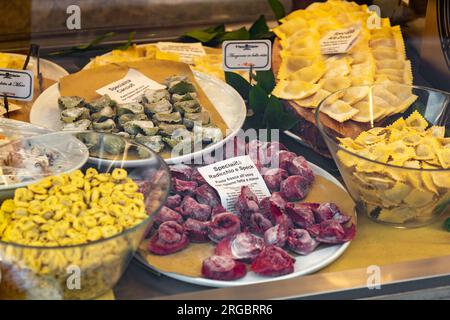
{"points": [[72, 209], [398, 194]]}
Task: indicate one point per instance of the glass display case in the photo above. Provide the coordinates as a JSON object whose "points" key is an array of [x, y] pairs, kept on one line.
{"points": [[323, 176]]}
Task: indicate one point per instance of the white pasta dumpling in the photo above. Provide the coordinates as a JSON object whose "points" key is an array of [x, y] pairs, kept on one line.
{"points": [[336, 83], [320, 7], [314, 50], [383, 53], [405, 103], [403, 76], [298, 36], [407, 74], [295, 89], [314, 100], [378, 103], [298, 14], [391, 64], [386, 79], [344, 18], [337, 67], [363, 56], [404, 95], [398, 38], [355, 94], [367, 113], [326, 24], [307, 41], [382, 42], [290, 27], [401, 91], [309, 74], [339, 110], [382, 92], [391, 72], [361, 79], [367, 67], [383, 32], [292, 63]]}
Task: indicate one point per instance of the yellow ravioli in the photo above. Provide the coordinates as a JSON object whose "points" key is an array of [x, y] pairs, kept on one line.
{"points": [[295, 89], [340, 111]]}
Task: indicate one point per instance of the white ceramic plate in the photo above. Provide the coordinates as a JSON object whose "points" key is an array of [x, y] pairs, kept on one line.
{"points": [[14, 129], [71, 154], [318, 259], [228, 102], [50, 70]]}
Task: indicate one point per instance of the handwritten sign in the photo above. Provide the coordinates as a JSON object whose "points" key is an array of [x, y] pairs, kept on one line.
{"points": [[17, 84], [247, 54], [186, 51], [339, 41], [228, 176], [130, 88]]}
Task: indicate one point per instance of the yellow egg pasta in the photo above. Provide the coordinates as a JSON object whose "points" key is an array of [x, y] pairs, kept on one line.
{"points": [[377, 56], [41, 213], [420, 180]]}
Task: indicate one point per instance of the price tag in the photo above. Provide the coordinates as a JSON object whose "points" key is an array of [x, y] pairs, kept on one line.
{"points": [[339, 41], [186, 51], [16, 84], [247, 54], [228, 176], [130, 88]]}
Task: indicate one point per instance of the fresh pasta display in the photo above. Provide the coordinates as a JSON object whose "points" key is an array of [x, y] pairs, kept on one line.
{"points": [[91, 219], [415, 183], [72, 209], [278, 146], [306, 76]]}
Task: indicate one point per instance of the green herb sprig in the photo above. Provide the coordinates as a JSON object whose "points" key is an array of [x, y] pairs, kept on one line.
{"points": [[214, 36], [84, 47], [268, 109]]}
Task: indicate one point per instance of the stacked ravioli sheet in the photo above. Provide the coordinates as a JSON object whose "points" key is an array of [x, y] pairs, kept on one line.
{"points": [[416, 181], [377, 56]]}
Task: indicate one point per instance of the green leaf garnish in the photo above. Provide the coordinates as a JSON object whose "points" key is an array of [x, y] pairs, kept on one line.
{"points": [[94, 42], [84, 47], [277, 8], [128, 43], [260, 29], [200, 35], [447, 224], [219, 28], [238, 83], [266, 80], [258, 101], [239, 34]]}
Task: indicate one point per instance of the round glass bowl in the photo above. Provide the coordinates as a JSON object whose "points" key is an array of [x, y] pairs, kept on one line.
{"points": [[87, 269], [410, 195]]}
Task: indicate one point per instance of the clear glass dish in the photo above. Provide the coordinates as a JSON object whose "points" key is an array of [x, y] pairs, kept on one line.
{"points": [[89, 269], [390, 194]]}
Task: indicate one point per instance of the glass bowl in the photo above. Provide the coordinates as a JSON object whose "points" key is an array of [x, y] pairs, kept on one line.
{"points": [[87, 269], [405, 195]]}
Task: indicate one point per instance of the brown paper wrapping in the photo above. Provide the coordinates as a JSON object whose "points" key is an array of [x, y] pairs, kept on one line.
{"points": [[189, 261], [85, 82]]}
